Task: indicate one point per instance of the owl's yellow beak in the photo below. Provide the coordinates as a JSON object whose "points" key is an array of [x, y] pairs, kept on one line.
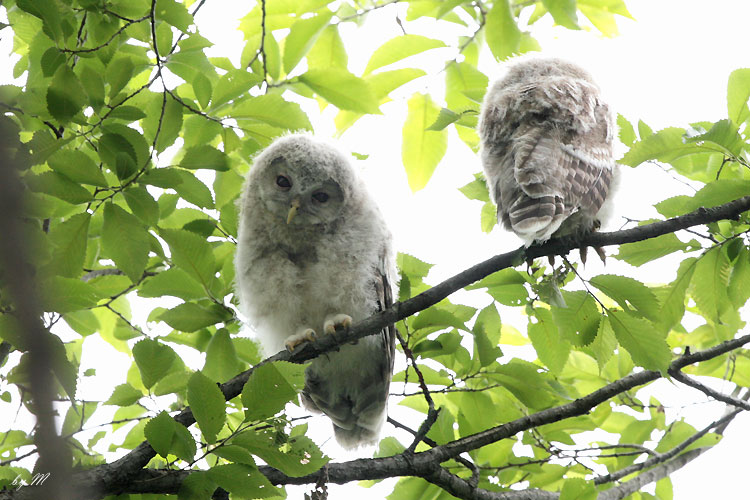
{"points": [[292, 210]]}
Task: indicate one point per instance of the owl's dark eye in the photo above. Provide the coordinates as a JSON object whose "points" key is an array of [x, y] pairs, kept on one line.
{"points": [[283, 182], [320, 197]]}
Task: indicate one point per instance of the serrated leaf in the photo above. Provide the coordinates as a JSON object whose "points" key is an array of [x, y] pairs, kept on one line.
{"points": [[577, 488], [605, 343], [69, 240], [421, 149], [629, 293], [118, 154], [329, 50], [646, 345], [232, 85], [564, 12], [299, 456], [640, 252], [192, 254], [59, 186], [202, 89], [476, 190], [738, 93], [709, 283], [488, 217], [154, 360], [486, 332], [444, 118], [399, 48], [205, 156], [192, 189], [142, 204], [119, 72], [501, 31], [166, 437], [77, 166], [222, 362], [723, 135], [270, 387], [174, 13], [666, 146], [127, 113], [191, 317], [124, 395], [302, 36], [170, 124], [63, 295], [197, 486], [342, 89], [579, 321], [125, 240], [552, 349], [627, 134], [65, 95], [207, 404], [273, 110], [243, 481], [173, 281]]}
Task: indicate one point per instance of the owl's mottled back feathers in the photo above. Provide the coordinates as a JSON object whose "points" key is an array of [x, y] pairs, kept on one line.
{"points": [[546, 148]]}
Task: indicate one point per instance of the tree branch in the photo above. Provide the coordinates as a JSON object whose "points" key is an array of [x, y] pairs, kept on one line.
{"points": [[678, 375]]}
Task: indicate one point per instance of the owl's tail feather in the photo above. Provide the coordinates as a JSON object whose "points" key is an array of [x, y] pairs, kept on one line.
{"points": [[535, 219]]}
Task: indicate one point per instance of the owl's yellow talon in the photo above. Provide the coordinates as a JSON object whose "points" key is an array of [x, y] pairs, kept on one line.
{"points": [[302, 335]]}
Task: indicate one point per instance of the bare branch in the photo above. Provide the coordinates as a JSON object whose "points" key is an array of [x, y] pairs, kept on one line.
{"points": [[678, 375]]}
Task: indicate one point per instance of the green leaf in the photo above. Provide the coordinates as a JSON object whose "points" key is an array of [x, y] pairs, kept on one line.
{"points": [[174, 13], [738, 93], [69, 240], [273, 110], [65, 95], [222, 362], [202, 89], [421, 149], [154, 360], [205, 156], [666, 145], [709, 284], [270, 387], [166, 436], [243, 481], [722, 136], [673, 296], [191, 317], [232, 85], [579, 321], [640, 252], [328, 51], [302, 36], [445, 118], [119, 72], [175, 282], [738, 290], [64, 295], [501, 30], [487, 334], [192, 254], [51, 61], [124, 395], [298, 457], [118, 154], [552, 349], [476, 190], [564, 12], [207, 404], [627, 134], [59, 186], [48, 12], [198, 485], [605, 343], [628, 292], [646, 345], [142, 204], [170, 124], [77, 166], [342, 89], [399, 48], [125, 240], [192, 189], [577, 488]]}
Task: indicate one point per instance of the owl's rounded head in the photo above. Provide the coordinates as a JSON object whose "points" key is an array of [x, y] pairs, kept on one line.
{"points": [[303, 181], [534, 68]]}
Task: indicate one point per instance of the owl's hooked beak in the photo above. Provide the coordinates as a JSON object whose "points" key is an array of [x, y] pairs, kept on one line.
{"points": [[292, 210]]}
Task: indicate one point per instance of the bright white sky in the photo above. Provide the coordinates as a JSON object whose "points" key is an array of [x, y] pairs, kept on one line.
{"points": [[669, 68]]}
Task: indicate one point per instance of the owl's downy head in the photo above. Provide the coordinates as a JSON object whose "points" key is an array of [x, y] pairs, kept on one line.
{"points": [[303, 181]]}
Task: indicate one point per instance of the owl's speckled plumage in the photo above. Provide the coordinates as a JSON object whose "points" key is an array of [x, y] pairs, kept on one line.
{"points": [[332, 258], [547, 149]]}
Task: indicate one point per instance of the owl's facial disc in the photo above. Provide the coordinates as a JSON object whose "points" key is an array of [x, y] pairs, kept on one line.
{"points": [[300, 194]]}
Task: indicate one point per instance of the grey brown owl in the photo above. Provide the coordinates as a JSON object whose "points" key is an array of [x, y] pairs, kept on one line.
{"points": [[546, 148], [313, 255]]}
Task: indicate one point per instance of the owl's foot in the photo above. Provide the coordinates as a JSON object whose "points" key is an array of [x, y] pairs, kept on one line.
{"points": [[599, 251], [302, 335], [335, 321]]}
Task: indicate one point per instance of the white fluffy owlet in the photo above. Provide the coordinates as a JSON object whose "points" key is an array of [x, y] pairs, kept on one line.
{"points": [[314, 254], [546, 149]]}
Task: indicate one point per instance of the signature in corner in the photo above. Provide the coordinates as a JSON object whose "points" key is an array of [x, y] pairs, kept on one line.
{"points": [[37, 480]]}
